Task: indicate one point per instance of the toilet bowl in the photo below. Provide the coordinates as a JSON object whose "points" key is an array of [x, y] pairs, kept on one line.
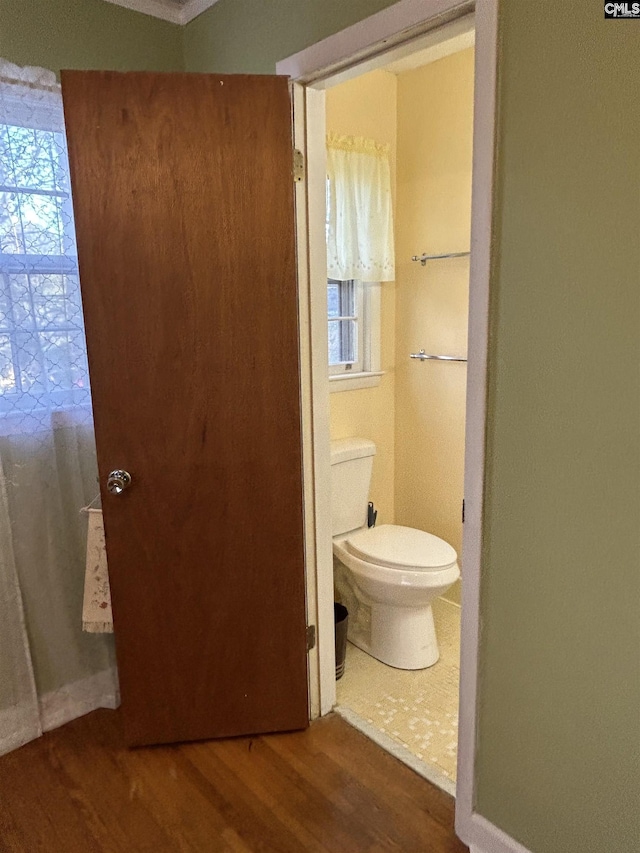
{"points": [[397, 572], [387, 576]]}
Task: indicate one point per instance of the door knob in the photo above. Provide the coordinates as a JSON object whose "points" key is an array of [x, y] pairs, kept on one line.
{"points": [[118, 481]]}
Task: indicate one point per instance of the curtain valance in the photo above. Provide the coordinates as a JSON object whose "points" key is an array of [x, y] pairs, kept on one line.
{"points": [[359, 210]]}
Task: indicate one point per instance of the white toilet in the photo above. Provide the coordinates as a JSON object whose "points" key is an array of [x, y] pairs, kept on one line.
{"points": [[386, 576]]}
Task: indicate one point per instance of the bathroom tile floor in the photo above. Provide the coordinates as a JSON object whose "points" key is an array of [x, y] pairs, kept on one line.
{"points": [[418, 710]]}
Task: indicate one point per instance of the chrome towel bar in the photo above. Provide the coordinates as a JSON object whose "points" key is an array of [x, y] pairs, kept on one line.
{"points": [[423, 356], [424, 257]]}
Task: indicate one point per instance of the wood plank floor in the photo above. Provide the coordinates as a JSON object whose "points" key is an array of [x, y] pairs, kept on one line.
{"points": [[79, 789]]}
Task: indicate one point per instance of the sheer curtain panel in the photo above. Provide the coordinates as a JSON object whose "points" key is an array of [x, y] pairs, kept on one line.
{"points": [[50, 672], [359, 210]]}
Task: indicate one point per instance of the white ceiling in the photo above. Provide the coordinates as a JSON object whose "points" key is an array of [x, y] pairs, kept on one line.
{"points": [[176, 11]]}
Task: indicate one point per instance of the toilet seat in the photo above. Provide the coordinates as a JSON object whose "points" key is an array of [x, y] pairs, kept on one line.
{"points": [[393, 546]]}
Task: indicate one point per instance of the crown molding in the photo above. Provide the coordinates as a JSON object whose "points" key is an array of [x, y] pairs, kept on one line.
{"points": [[166, 9], [194, 8]]}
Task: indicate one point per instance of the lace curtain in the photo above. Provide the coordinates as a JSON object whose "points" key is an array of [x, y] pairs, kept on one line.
{"points": [[359, 210], [50, 671]]}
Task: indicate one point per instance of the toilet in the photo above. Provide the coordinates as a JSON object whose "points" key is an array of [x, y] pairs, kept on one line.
{"points": [[387, 576]]}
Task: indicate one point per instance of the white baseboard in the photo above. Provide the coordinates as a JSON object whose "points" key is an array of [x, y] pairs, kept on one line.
{"points": [[81, 697], [25, 722], [18, 725], [483, 837]]}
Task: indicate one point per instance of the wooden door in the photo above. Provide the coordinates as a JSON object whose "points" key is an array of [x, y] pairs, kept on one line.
{"points": [[183, 197]]}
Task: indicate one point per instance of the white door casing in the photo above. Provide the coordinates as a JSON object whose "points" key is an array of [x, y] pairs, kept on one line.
{"points": [[393, 33]]}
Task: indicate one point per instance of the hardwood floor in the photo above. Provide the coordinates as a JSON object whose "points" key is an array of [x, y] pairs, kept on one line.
{"points": [[78, 789]]}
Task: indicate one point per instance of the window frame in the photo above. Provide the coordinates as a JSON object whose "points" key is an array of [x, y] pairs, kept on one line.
{"points": [[365, 372], [358, 317]]}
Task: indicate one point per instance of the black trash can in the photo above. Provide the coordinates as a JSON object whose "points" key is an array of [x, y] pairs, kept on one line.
{"points": [[342, 623]]}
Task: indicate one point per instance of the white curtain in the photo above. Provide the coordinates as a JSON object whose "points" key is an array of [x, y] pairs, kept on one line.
{"points": [[359, 210], [50, 671]]}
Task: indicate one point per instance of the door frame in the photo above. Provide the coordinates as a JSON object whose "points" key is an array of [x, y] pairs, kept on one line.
{"points": [[396, 31]]}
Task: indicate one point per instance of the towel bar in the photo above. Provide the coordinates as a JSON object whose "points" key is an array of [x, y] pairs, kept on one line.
{"points": [[423, 356], [424, 257]]}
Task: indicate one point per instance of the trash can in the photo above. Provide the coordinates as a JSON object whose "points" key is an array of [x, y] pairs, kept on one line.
{"points": [[341, 615]]}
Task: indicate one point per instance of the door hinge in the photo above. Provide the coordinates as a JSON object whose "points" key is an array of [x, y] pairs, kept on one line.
{"points": [[463, 510], [298, 166], [311, 637]]}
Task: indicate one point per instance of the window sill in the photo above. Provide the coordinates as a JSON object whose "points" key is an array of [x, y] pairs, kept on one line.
{"points": [[354, 381]]}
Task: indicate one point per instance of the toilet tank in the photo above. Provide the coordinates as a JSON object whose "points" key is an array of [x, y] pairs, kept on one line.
{"points": [[351, 467]]}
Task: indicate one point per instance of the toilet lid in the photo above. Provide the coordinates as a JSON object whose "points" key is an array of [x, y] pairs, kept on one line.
{"points": [[399, 547]]}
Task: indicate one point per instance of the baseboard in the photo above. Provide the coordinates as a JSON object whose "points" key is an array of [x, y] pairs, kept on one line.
{"points": [[78, 698], [25, 722], [483, 837], [18, 725], [427, 771]]}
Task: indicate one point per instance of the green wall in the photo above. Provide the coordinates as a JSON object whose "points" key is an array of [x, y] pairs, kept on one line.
{"points": [[559, 731], [250, 36], [559, 736], [88, 34]]}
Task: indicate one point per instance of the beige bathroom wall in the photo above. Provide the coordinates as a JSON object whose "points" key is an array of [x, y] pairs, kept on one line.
{"points": [[435, 122], [366, 107]]}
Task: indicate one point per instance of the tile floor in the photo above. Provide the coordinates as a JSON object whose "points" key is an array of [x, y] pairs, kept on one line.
{"points": [[418, 710]]}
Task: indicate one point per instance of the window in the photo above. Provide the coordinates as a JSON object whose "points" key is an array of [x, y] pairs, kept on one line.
{"points": [[42, 348], [345, 326], [360, 255], [354, 334]]}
